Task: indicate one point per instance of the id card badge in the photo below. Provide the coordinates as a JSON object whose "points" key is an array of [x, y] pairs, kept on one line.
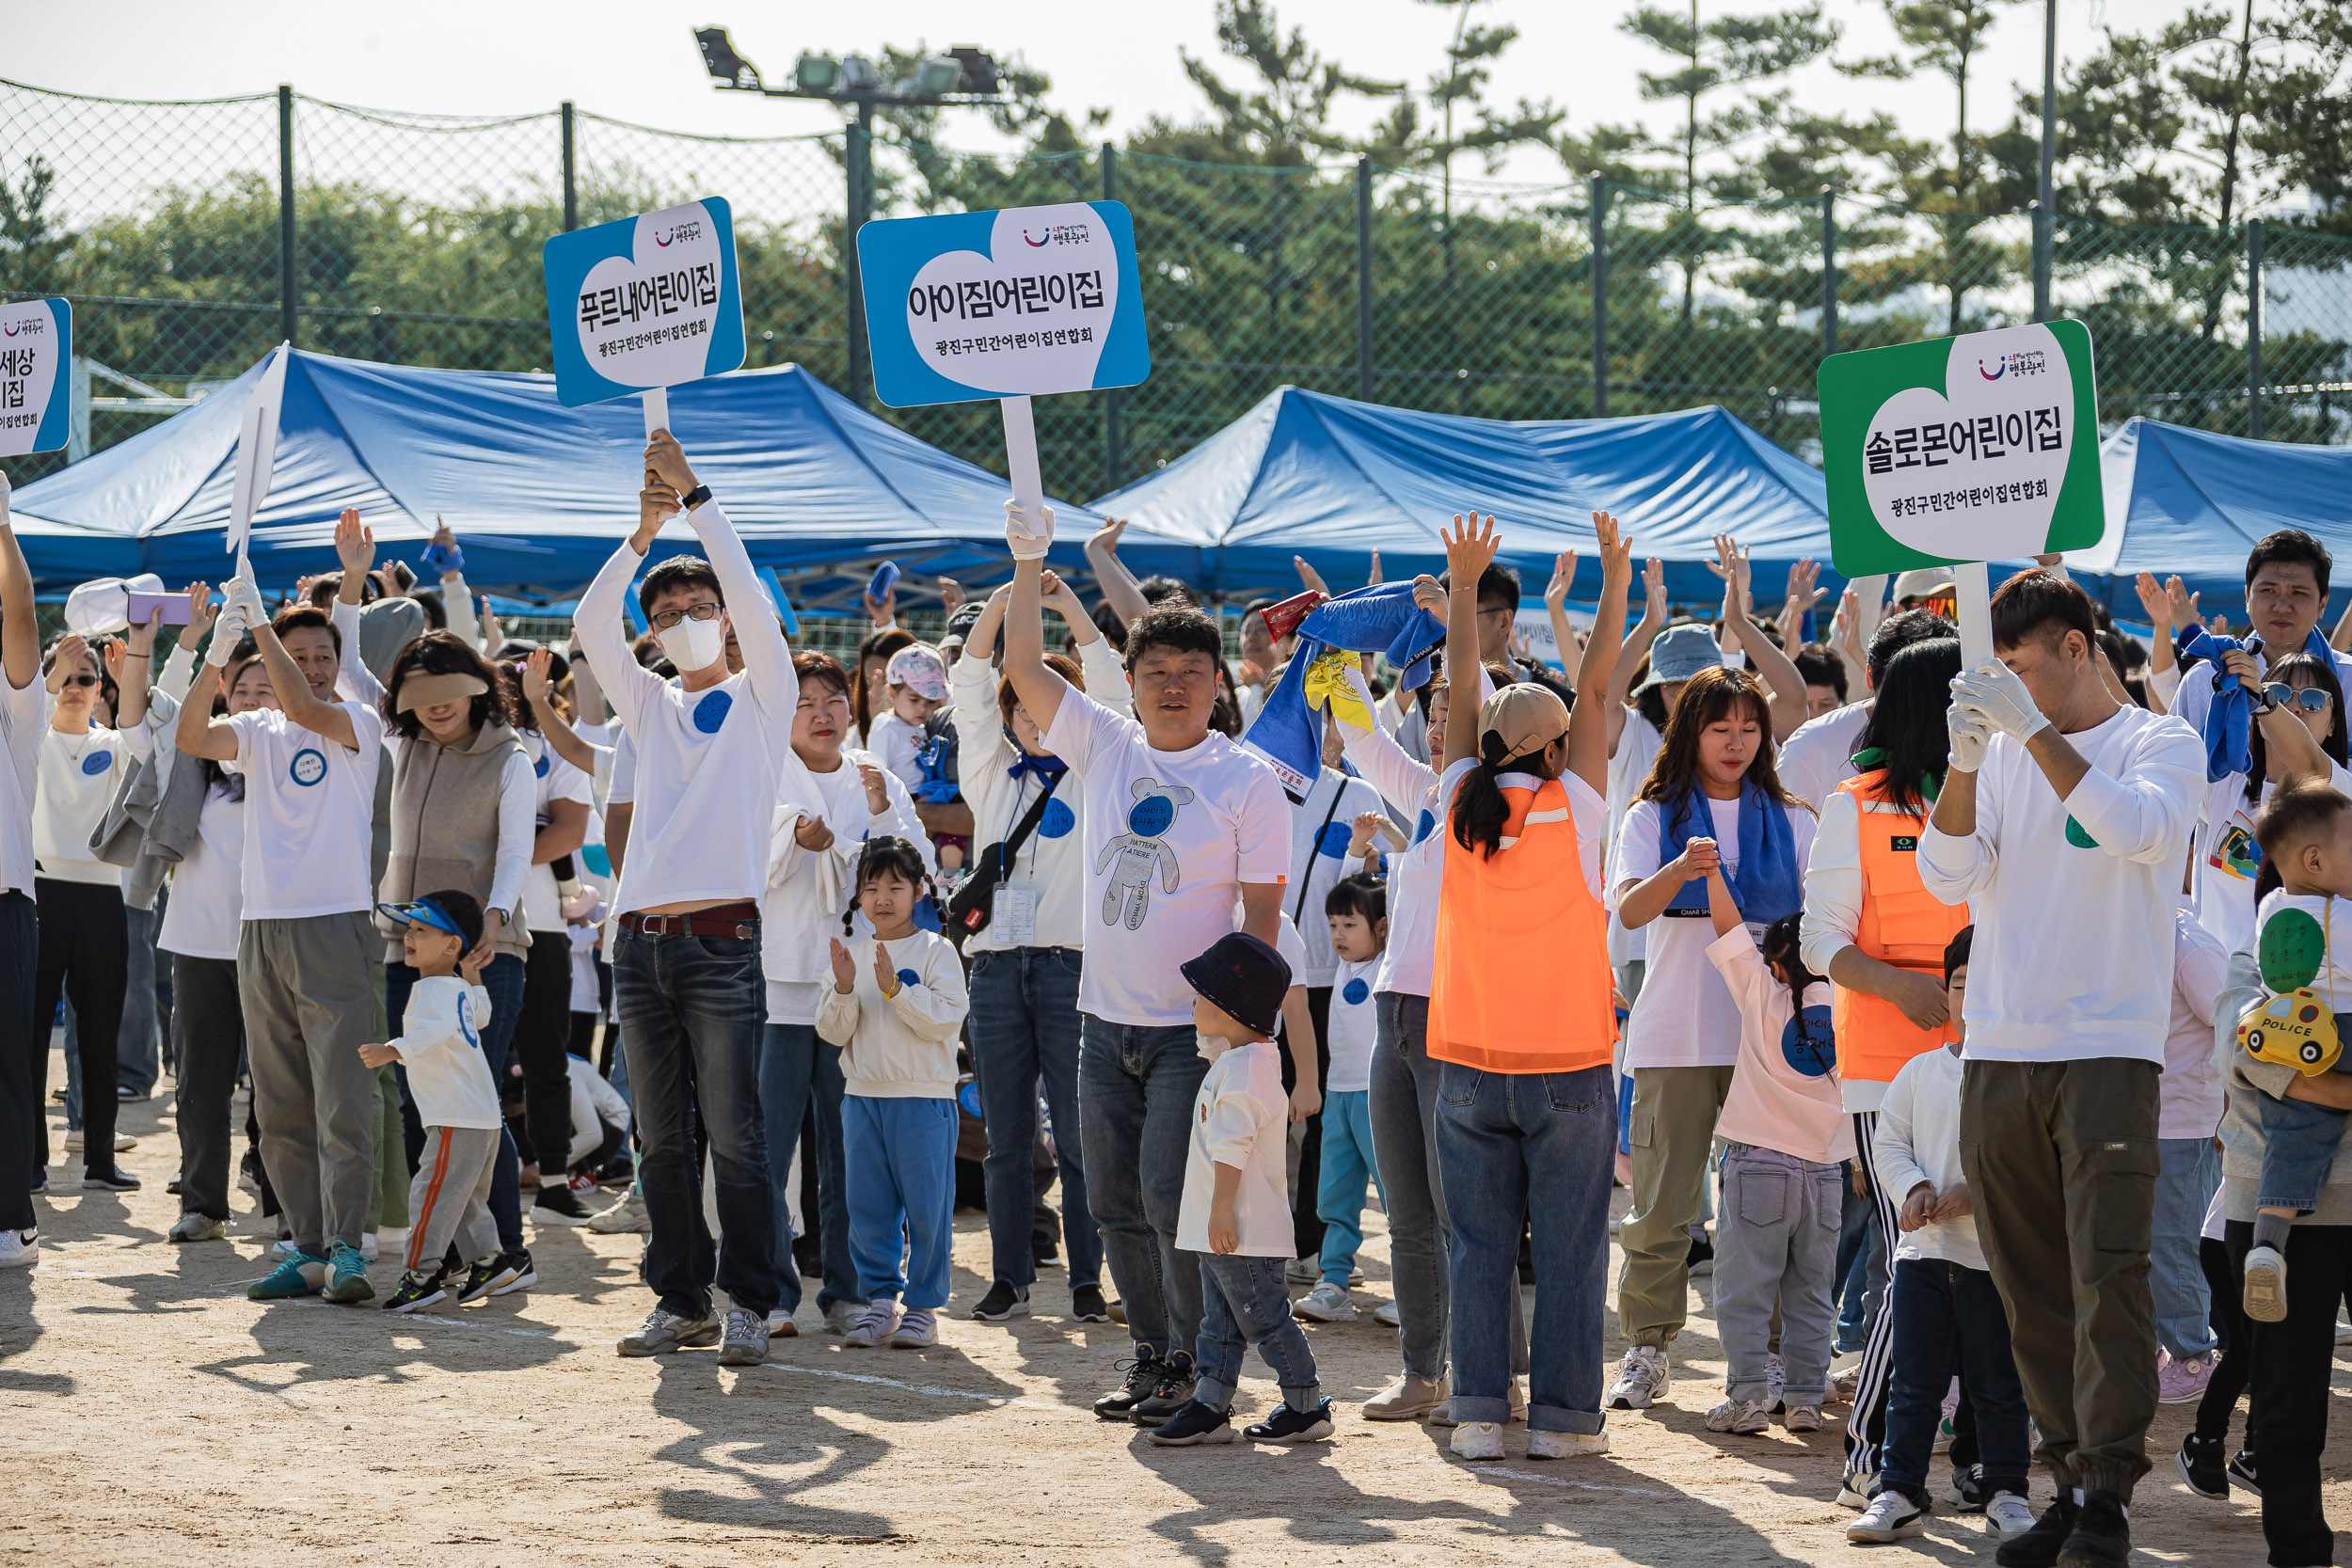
{"points": [[1013, 915]]}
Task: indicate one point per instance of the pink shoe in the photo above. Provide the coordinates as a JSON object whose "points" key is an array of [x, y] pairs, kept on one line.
{"points": [[2183, 1381]]}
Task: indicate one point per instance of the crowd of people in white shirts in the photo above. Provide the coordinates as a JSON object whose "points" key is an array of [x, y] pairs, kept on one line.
{"points": [[1973, 1027]]}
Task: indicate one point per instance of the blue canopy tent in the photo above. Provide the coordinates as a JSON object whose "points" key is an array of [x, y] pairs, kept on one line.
{"points": [[1333, 480], [539, 494], [2192, 502]]}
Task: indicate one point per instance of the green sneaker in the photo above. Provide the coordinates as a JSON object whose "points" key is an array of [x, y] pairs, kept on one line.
{"points": [[348, 1275], [300, 1274]]}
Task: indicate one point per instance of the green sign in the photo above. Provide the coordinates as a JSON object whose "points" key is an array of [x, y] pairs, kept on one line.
{"points": [[1983, 446]]}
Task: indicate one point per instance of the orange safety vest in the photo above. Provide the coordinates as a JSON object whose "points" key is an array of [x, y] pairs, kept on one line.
{"points": [[1520, 983], [1903, 925]]}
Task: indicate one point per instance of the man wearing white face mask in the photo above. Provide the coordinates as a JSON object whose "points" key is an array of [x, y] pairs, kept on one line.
{"points": [[686, 967]]}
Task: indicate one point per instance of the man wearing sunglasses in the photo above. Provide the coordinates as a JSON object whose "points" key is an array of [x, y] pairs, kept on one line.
{"points": [[2286, 595]]}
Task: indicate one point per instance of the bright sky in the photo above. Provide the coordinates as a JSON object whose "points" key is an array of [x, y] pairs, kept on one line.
{"points": [[638, 61]]}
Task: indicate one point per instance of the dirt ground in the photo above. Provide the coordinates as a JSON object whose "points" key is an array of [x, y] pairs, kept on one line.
{"points": [[155, 1415]]}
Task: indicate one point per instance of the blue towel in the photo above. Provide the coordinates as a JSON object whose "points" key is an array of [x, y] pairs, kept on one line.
{"points": [[1381, 619], [2230, 721], [1768, 883]]}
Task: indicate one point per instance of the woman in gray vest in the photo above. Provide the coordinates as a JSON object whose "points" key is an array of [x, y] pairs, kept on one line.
{"points": [[463, 815]]}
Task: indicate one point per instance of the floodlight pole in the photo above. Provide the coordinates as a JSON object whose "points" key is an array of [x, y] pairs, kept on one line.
{"points": [[861, 175]]}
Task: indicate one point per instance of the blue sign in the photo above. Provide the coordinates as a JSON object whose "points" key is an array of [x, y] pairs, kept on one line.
{"points": [[1016, 303], [36, 381], [649, 301]]}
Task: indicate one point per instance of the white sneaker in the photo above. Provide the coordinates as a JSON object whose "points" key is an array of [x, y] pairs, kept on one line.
{"points": [[917, 1330], [19, 1250], [392, 1239], [368, 1245], [1325, 1304], [1567, 1445], [1642, 1376], [1855, 1491], [781, 1326], [1385, 1314], [1478, 1440], [1802, 1417], [626, 1217], [880, 1322], [1743, 1417], [1890, 1518], [124, 1143], [1302, 1271], [2265, 1285], [2009, 1513]]}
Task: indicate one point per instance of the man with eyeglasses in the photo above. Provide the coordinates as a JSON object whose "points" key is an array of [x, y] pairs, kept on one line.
{"points": [[24, 1044], [1498, 612], [686, 973]]}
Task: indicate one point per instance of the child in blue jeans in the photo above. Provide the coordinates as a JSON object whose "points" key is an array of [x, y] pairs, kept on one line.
{"points": [[2306, 838], [1357, 909], [1235, 1217]]}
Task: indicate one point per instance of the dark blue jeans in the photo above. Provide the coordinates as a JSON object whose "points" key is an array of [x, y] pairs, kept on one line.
{"points": [[503, 977], [1024, 1028], [692, 1010], [1135, 1089], [23, 1065], [1517, 1147], [1245, 1303], [796, 1071], [1949, 1319]]}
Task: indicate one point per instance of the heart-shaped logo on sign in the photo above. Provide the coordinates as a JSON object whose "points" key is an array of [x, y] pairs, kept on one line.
{"points": [[1032, 315], [31, 350], [645, 319], [1973, 472]]}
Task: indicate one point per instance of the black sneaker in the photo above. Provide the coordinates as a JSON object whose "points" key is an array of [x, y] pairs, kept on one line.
{"points": [[1192, 1422], [1002, 1303], [112, 1179], [520, 1275], [1143, 1376], [416, 1290], [1291, 1426], [2101, 1537], [2242, 1472], [1086, 1305], [1172, 1394], [558, 1206], [2202, 1467], [2038, 1547], [482, 1279]]}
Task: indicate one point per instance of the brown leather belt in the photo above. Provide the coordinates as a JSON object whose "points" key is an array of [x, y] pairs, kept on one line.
{"points": [[740, 921]]}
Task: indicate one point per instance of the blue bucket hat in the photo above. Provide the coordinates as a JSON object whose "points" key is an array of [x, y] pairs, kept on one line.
{"points": [[1679, 653]]}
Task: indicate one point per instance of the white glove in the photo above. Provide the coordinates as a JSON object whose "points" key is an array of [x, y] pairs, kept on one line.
{"points": [[241, 595], [2000, 699], [1028, 540], [4, 500], [227, 627], [1971, 735]]}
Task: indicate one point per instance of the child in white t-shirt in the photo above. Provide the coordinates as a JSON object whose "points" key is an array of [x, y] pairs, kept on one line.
{"points": [[1357, 909], [449, 1077], [917, 675], [1235, 1219], [894, 1007], [1785, 1133]]}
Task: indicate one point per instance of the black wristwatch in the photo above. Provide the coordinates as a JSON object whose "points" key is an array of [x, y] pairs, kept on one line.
{"points": [[695, 497], [2264, 703]]}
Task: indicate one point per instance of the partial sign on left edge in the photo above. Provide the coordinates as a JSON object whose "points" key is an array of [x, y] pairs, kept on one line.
{"points": [[648, 302], [36, 391]]}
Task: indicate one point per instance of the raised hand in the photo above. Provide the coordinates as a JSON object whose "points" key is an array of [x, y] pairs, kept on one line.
{"points": [[1030, 537], [886, 979], [950, 595], [1106, 537], [1564, 573], [201, 614], [1616, 552], [2184, 602], [1309, 576], [355, 543], [2152, 599], [536, 686], [843, 972], [1429, 596], [657, 503], [1058, 597], [1731, 564], [1469, 547], [666, 461], [1374, 582], [1654, 590], [1804, 590], [117, 656]]}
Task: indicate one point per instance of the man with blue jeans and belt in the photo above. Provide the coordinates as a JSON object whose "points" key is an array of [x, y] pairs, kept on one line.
{"points": [[1184, 836], [685, 968]]}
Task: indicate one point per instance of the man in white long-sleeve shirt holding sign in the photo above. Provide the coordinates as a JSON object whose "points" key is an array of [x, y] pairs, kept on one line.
{"points": [[2063, 825]]}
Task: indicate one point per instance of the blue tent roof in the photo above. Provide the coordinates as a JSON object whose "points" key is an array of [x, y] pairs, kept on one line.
{"points": [[2192, 502], [539, 494], [1333, 480]]}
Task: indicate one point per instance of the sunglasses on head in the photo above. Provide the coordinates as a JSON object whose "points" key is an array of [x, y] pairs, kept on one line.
{"points": [[2310, 699]]}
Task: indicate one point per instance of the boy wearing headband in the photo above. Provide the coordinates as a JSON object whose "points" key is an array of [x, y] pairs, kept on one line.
{"points": [[440, 1045]]}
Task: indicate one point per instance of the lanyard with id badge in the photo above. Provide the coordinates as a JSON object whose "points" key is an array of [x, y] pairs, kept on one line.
{"points": [[984, 903]]}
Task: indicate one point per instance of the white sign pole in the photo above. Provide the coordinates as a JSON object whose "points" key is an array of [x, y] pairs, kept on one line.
{"points": [[657, 402], [1974, 606], [1028, 488], [256, 455]]}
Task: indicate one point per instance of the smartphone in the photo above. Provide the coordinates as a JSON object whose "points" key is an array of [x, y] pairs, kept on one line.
{"points": [[143, 606], [885, 579]]}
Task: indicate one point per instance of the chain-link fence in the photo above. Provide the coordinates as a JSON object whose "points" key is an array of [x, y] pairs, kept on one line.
{"points": [[191, 237]]}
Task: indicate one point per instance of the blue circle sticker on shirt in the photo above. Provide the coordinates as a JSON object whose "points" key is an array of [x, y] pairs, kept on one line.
{"points": [[1422, 827], [540, 768], [1808, 1043], [1151, 816], [908, 978], [1334, 840], [1059, 819], [465, 1025], [711, 711], [1355, 990], [97, 763], [308, 768]]}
